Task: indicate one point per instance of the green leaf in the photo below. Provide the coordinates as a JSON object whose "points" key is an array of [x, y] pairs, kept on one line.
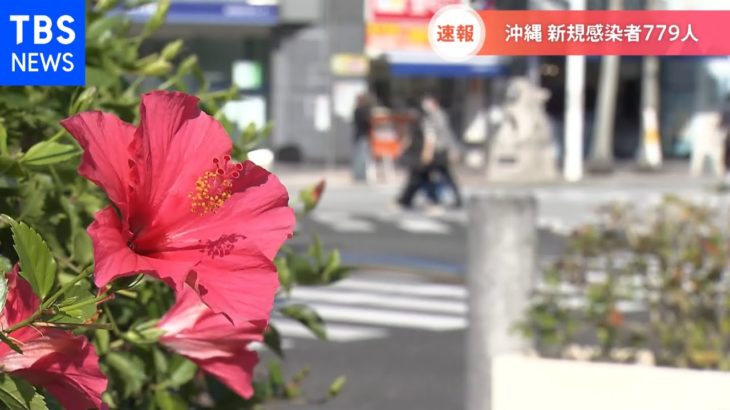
{"points": [[285, 275], [157, 19], [306, 316], [301, 269], [18, 394], [78, 306], [165, 400], [333, 262], [171, 49], [272, 339], [83, 101], [101, 341], [276, 376], [48, 153], [99, 78], [336, 386], [37, 265], [33, 193], [316, 250], [160, 360], [130, 369], [182, 372], [3, 141]]}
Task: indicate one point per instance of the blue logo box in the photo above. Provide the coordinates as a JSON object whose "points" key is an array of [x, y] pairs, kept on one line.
{"points": [[42, 42]]}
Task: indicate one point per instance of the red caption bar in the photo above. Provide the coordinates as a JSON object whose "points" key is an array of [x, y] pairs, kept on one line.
{"points": [[606, 32]]}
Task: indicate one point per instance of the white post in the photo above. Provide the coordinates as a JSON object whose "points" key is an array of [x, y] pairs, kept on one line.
{"points": [[651, 148], [502, 266], [650, 152], [574, 97], [602, 148]]}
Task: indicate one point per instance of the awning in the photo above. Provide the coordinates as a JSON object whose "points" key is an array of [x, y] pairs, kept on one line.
{"points": [[212, 12], [431, 65]]}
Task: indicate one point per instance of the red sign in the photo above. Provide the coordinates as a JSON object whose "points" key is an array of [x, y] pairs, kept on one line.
{"points": [[407, 10], [606, 33]]}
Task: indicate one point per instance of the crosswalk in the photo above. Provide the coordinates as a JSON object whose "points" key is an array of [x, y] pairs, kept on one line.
{"points": [[367, 307], [370, 308], [442, 223]]}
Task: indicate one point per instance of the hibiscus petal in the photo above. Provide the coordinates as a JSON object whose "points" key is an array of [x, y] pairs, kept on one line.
{"points": [[176, 144], [231, 276], [258, 209], [236, 373], [105, 140], [71, 373], [184, 314], [193, 330], [241, 285], [21, 302], [113, 258]]}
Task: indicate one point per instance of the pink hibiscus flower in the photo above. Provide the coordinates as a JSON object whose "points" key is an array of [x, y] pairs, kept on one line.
{"points": [[182, 210], [218, 347], [66, 365]]}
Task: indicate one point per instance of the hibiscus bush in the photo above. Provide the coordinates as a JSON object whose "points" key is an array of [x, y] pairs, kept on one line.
{"points": [[140, 252], [647, 285]]}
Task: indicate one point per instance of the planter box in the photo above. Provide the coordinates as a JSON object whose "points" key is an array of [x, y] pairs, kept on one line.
{"points": [[529, 383]]}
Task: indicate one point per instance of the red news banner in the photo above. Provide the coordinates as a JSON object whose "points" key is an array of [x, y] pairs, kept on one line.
{"points": [[606, 32]]}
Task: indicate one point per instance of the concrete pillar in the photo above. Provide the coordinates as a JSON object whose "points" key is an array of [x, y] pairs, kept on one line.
{"points": [[502, 266], [602, 150], [575, 72], [651, 148]]}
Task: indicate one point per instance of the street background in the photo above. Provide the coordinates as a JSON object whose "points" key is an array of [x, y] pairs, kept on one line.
{"points": [[606, 129]]}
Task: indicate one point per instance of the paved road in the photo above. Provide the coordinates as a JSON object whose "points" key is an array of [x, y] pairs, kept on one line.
{"points": [[399, 337]]}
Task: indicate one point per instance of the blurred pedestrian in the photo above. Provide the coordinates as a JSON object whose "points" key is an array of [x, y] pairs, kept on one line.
{"points": [[361, 127], [432, 149], [444, 148], [417, 158]]}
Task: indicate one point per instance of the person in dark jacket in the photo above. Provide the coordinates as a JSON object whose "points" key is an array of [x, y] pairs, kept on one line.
{"points": [[361, 130], [443, 147], [418, 159]]}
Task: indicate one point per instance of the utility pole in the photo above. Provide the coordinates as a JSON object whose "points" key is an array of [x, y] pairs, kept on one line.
{"points": [[650, 153], [574, 109], [601, 159]]}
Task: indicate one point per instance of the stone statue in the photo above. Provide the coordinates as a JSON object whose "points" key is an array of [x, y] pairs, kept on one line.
{"points": [[523, 148]]}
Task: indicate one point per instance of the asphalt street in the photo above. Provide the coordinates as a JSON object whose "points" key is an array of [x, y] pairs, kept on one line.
{"points": [[397, 326]]}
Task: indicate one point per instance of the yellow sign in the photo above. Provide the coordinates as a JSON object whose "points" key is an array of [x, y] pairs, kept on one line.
{"points": [[387, 37], [349, 64]]}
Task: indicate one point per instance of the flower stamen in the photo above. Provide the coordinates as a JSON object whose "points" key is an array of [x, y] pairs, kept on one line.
{"points": [[214, 187]]}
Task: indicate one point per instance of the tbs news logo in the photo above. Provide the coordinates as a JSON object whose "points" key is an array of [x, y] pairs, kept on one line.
{"points": [[42, 42]]}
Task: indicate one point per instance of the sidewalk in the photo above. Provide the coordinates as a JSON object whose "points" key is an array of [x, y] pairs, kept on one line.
{"points": [[674, 176]]}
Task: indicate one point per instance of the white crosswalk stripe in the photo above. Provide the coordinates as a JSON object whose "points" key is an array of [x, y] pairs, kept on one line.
{"points": [[335, 332], [418, 288], [382, 300], [422, 225], [389, 317], [367, 308]]}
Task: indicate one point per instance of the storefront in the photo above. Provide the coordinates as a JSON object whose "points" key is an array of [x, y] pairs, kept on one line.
{"points": [[404, 67], [232, 40]]}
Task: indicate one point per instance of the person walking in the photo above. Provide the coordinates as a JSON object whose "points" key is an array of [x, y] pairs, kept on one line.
{"points": [[433, 147], [443, 146], [361, 130], [417, 157]]}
